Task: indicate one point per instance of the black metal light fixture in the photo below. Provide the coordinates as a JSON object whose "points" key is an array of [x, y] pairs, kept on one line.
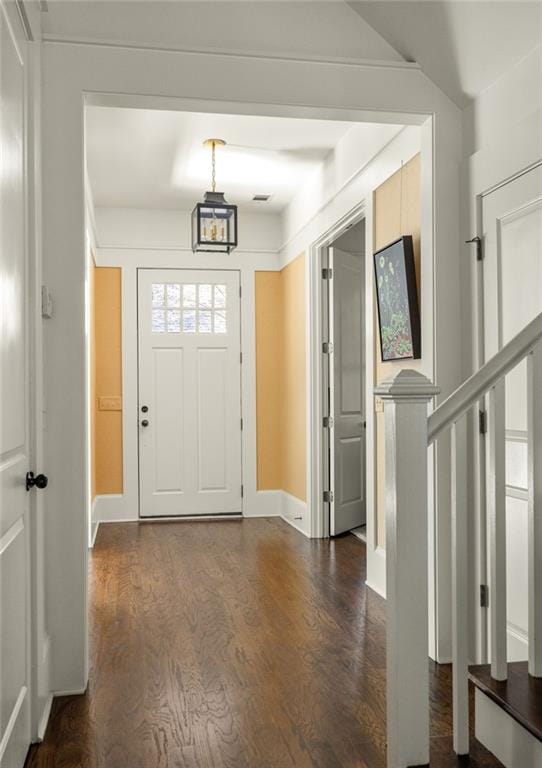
{"points": [[214, 222]]}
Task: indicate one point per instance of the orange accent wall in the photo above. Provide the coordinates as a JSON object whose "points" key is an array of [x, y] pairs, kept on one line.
{"points": [[107, 378], [280, 379], [396, 206], [269, 377]]}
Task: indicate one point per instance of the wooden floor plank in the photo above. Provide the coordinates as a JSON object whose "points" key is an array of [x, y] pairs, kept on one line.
{"points": [[233, 645]]}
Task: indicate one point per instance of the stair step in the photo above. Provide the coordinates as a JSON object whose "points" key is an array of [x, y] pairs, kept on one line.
{"points": [[520, 696]]}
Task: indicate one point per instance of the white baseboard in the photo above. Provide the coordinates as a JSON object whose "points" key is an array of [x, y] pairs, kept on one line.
{"points": [[44, 719], [263, 504], [296, 513], [93, 532], [376, 570], [509, 741], [115, 508], [70, 692]]}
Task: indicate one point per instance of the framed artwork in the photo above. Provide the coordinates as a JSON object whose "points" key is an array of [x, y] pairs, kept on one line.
{"points": [[397, 300]]}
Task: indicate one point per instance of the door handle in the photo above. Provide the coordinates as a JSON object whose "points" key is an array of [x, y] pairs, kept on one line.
{"points": [[40, 481], [145, 423]]}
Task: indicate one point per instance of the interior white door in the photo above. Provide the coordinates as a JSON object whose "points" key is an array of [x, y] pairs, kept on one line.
{"points": [[189, 393], [347, 429], [512, 269], [14, 407]]}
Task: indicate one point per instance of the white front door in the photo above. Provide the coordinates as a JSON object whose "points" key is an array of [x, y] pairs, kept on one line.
{"points": [[189, 392], [512, 268], [14, 409], [347, 429]]}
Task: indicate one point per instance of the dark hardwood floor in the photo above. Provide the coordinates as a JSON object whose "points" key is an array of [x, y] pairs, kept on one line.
{"points": [[233, 645]]}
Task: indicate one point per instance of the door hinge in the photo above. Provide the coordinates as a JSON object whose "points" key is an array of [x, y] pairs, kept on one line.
{"points": [[242, 491], [240, 292], [328, 496], [241, 425], [479, 247], [328, 422], [484, 596], [327, 273], [327, 347], [482, 422], [241, 357]]}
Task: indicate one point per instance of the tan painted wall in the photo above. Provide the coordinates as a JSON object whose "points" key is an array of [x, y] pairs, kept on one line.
{"points": [[280, 379], [396, 212], [92, 362], [107, 376], [269, 377], [294, 458]]}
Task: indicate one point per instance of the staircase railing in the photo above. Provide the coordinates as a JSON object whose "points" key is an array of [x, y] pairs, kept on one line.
{"points": [[409, 432]]}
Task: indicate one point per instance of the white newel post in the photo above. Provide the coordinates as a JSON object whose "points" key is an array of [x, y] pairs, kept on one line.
{"points": [[405, 397]]}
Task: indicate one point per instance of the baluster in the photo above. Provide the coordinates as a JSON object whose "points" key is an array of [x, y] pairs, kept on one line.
{"points": [[496, 499], [534, 431], [460, 598], [405, 398]]}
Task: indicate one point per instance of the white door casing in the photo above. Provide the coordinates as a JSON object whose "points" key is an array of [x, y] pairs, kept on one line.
{"points": [[190, 381], [347, 434], [512, 279], [14, 407]]}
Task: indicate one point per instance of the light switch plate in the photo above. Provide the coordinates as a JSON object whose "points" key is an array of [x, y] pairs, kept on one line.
{"points": [[110, 403]]}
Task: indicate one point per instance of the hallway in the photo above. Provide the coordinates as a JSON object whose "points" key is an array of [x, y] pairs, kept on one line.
{"points": [[233, 645]]}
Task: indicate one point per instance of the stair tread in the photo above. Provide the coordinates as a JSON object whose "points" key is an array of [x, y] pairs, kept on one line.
{"points": [[520, 696]]}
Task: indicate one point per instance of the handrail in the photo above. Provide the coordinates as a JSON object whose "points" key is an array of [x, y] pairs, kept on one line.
{"points": [[481, 382]]}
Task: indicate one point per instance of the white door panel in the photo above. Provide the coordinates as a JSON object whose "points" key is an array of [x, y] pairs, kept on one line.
{"points": [[189, 379], [347, 440], [512, 269], [14, 405]]}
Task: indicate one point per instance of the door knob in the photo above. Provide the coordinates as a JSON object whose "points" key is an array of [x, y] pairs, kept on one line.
{"points": [[40, 481], [145, 423]]}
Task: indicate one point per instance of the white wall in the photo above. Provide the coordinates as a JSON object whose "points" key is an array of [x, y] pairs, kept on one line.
{"points": [[163, 229], [507, 102], [355, 150]]}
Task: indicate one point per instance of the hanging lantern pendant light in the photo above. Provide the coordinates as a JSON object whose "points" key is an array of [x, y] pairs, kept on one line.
{"points": [[214, 222]]}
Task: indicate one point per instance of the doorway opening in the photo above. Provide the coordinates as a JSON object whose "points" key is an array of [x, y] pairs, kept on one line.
{"points": [[338, 366], [189, 391], [343, 371]]}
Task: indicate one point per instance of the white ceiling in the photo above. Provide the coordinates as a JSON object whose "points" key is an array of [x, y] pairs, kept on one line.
{"points": [[462, 45], [154, 159]]}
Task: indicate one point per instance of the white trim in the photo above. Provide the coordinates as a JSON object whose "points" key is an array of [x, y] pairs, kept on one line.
{"points": [[314, 309], [12, 721], [509, 741], [351, 61], [94, 531], [70, 692], [44, 719], [377, 579], [295, 512], [266, 504]]}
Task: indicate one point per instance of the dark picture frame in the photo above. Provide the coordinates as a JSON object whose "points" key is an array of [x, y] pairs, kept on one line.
{"points": [[397, 301]]}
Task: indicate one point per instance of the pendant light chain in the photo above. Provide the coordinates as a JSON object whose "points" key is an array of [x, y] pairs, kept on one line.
{"points": [[213, 177]]}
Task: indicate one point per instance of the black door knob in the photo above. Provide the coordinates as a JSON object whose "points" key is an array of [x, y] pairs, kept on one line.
{"points": [[40, 481], [144, 423]]}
